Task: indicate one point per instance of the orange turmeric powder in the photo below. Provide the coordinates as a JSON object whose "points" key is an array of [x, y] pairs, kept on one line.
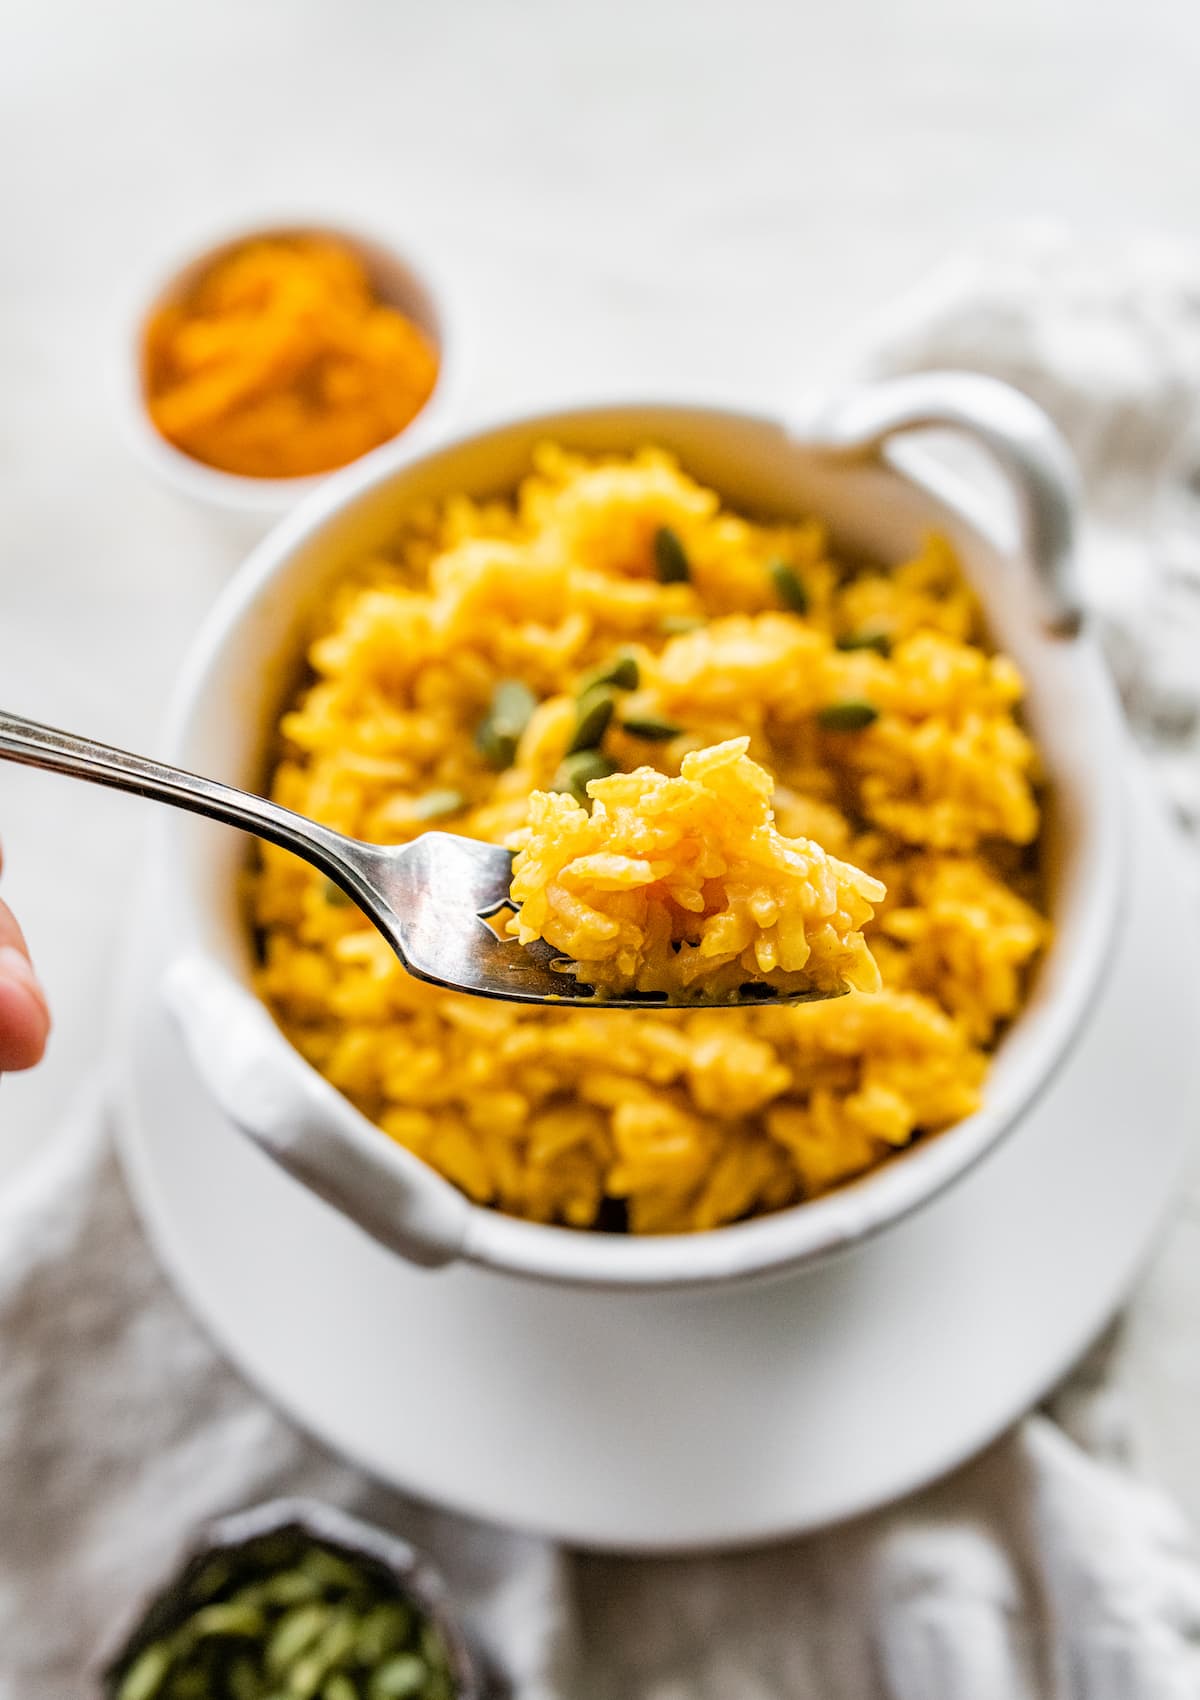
{"points": [[280, 361]]}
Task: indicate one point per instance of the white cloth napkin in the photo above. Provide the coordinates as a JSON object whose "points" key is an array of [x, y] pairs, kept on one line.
{"points": [[1044, 1569]]}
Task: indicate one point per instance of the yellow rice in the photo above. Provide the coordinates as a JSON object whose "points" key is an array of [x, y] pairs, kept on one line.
{"points": [[685, 885], [666, 1121]]}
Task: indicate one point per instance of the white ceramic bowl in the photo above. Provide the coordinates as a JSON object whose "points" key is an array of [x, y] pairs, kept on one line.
{"points": [[399, 276], [246, 661]]}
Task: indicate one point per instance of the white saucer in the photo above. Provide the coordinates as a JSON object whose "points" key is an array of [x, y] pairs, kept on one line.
{"points": [[646, 1423]]}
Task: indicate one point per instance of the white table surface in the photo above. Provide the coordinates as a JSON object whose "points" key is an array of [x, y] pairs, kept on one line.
{"points": [[638, 196]]}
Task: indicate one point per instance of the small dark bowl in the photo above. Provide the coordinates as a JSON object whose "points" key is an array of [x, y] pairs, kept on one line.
{"points": [[414, 1577]]}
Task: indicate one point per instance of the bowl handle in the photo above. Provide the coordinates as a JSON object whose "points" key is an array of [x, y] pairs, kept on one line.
{"points": [[1013, 429], [306, 1126]]}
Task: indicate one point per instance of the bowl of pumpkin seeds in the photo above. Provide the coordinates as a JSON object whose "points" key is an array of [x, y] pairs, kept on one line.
{"points": [[296, 1601]]}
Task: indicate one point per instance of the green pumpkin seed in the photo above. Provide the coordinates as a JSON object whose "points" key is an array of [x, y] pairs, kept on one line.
{"points": [[217, 1572], [190, 1684], [250, 1594], [273, 1552], [400, 1678], [336, 899], [512, 704], [339, 1687], [676, 625], [294, 1634], [593, 712], [230, 1618], [880, 642], [434, 1647], [289, 1588], [243, 1680], [575, 771], [622, 672], [495, 747], [436, 805], [383, 1630], [670, 557], [789, 586], [651, 730], [499, 732], [848, 716], [147, 1673], [334, 1648]]}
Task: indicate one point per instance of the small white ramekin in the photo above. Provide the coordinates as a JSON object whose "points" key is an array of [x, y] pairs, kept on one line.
{"points": [[401, 278]]}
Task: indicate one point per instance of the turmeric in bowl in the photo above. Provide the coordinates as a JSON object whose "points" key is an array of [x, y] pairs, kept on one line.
{"points": [[280, 361]]}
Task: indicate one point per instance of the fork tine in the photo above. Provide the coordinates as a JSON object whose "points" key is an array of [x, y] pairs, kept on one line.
{"points": [[499, 968], [440, 889]]}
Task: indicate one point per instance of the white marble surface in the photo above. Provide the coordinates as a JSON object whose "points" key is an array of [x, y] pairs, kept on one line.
{"points": [[648, 195]]}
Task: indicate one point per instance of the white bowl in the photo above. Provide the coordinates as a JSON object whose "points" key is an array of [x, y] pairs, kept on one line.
{"points": [[399, 277], [246, 662]]}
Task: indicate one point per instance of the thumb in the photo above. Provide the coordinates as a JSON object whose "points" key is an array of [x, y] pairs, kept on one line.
{"points": [[24, 1013]]}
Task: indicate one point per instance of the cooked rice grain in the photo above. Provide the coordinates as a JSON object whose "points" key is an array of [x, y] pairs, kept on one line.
{"points": [[686, 886]]}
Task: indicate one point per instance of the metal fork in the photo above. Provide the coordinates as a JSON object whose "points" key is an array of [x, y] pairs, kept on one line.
{"points": [[430, 898]]}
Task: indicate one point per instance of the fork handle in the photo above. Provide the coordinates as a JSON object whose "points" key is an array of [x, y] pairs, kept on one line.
{"points": [[34, 745]]}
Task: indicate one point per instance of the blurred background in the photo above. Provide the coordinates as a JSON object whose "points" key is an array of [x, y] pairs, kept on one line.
{"points": [[648, 196]]}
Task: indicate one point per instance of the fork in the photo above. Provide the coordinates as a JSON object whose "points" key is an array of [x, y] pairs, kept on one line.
{"points": [[430, 898]]}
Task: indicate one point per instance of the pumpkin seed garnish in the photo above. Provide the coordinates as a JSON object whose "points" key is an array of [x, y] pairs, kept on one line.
{"points": [[670, 557], [400, 1679], [432, 1645], [576, 770], [652, 730], [295, 1632], [231, 1618], [243, 1681], [330, 1569], [334, 895], [851, 715], [384, 1628], [147, 1673], [622, 672], [212, 1578], [335, 1646], [435, 805], [288, 1588], [676, 625], [593, 711], [499, 731], [789, 586], [880, 642]]}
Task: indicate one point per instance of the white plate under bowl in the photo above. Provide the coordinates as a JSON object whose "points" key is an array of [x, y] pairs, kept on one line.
{"points": [[657, 1422]]}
